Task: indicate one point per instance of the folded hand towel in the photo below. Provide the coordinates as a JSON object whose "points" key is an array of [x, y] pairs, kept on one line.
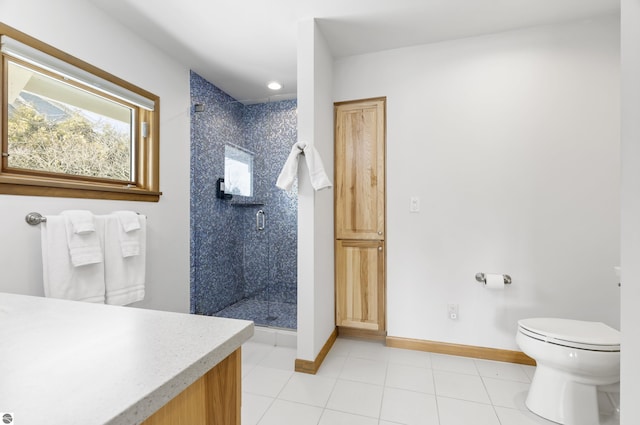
{"points": [[81, 221], [129, 234], [61, 279], [84, 247], [319, 178], [128, 220], [124, 275]]}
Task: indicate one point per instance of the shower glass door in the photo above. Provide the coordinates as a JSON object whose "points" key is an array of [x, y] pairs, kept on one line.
{"points": [[243, 228], [256, 269]]}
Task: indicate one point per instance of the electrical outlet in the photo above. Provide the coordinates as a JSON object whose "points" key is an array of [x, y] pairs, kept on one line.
{"points": [[453, 311]]}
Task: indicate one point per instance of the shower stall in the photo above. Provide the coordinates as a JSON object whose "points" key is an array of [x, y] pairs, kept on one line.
{"points": [[243, 228]]}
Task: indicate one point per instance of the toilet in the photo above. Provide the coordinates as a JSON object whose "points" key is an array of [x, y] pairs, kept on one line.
{"points": [[573, 358]]}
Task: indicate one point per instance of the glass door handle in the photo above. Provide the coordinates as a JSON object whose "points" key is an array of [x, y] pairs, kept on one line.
{"points": [[260, 220]]}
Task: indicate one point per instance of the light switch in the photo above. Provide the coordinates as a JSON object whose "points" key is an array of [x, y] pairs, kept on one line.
{"points": [[414, 206]]}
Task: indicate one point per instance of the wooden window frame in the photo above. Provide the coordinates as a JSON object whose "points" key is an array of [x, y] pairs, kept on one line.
{"points": [[146, 184]]}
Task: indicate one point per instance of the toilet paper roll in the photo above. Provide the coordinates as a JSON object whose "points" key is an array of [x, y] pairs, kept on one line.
{"points": [[494, 281]]}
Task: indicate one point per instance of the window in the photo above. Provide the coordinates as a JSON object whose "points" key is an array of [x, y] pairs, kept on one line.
{"points": [[238, 171], [69, 129]]}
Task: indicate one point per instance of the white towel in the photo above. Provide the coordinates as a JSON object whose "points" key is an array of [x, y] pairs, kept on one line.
{"points": [[319, 178], [81, 221], [61, 279], [124, 276], [129, 233], [290, 169], [82, 239], [128, 220]]}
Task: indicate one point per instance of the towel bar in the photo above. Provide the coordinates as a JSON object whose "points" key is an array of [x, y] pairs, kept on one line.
{"points": [[482, 279], [34, 218]]}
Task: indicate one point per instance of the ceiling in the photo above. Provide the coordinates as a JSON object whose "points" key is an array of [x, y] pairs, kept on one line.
{"points": [[240, 45]]}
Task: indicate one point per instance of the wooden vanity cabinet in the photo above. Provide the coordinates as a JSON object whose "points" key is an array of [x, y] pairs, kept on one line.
{"points": [[214, 399]]}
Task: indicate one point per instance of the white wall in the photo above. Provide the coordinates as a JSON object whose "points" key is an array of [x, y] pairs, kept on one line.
{"points": [[81, 30], [324, 291], [316, 319], [511, 141], [630, 372]]}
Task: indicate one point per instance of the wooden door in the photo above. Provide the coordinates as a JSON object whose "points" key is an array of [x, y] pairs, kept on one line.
{"points": [[360, 284], [360, 169]]}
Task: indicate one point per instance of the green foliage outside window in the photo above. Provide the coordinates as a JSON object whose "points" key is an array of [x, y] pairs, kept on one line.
{"points": [[71, 145]]}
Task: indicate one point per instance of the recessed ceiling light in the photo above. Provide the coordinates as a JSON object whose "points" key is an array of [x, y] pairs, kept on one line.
{"points": [[274, 85]]}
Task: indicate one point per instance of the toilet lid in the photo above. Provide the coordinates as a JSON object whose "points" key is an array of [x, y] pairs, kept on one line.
{"points": [[572, 333]]}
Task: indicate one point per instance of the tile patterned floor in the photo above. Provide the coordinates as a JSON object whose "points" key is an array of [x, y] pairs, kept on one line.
{"points": [[366, 383]]}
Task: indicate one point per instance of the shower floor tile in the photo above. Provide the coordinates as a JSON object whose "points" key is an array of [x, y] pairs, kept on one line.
{"points": [[264, 313]]}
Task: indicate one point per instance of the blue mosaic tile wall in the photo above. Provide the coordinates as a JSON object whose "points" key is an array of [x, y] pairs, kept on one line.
{"points": [[230, 259]]}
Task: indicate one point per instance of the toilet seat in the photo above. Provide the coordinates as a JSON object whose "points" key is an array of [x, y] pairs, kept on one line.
{"points": [[592, 336]]}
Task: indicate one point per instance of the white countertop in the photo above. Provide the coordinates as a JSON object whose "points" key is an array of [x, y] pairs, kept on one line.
{"points": [[70, 362]]}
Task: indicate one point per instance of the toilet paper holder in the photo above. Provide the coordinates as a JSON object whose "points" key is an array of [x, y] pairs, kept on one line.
{"points": [[482, 279]]}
